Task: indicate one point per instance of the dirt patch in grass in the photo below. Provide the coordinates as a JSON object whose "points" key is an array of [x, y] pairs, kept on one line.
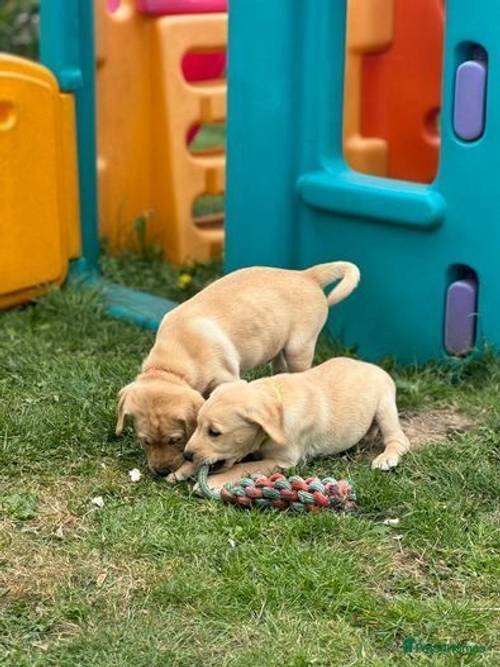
{"points": [[55, 516], [45, 550], [436, 426], [424, 428], [30, 568], [34, 568], [412, 563]]}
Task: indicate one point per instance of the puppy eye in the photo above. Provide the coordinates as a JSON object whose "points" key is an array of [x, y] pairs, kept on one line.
{"points": [[175, 439], [146, 442], [213, 433]]}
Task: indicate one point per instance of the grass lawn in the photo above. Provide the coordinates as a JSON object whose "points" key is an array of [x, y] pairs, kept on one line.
{"points": [[157, 577]]}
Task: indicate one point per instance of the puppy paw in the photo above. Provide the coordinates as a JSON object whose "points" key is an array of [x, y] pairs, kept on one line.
{"points": [[183, 473], [385, 461], [198, 492]]}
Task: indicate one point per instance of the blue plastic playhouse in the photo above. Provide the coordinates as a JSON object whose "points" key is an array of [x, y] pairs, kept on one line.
{"points": [[428, 253]]}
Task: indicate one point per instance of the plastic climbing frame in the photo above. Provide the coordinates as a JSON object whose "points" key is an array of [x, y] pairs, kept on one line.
{"points": [[154, 90]]}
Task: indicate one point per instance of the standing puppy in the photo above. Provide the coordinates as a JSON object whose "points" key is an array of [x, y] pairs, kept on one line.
{"points": [[290, 418], [243, 320]]}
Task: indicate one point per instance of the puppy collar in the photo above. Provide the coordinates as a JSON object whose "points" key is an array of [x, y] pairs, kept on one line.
{"points": [[278, 391], [154, 369]]}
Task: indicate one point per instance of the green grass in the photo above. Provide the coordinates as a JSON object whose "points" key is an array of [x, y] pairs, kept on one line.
{"points": [[159, 578], [19, 27], [147, 272]]}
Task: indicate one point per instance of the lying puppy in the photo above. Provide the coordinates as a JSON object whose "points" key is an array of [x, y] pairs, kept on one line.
{"points": [[243, 320], [289, 418]]}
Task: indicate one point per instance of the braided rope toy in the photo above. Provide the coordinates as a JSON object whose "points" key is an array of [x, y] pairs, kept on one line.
{"points": [[281, 493]]}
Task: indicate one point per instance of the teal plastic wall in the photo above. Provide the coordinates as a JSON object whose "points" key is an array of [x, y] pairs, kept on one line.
{"points": [[67, 48], [292, 201]]}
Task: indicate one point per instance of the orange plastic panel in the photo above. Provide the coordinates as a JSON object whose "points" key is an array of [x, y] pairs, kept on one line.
{"points": [[369, 29], [124, 102], [182, 106], [401, 87], [39, 218], [145, 111]]}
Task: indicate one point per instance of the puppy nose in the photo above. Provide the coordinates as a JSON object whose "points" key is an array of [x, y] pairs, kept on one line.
{"points": [[162, 472], [188, 455]]}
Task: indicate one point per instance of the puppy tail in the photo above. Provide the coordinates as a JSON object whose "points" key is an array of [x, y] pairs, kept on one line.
{"points": [[324, 274]]}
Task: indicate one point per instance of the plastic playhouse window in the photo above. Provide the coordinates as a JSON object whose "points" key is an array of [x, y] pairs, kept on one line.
{"points": [[208, 212], [200, 66], [206, 139], [392, 100]]}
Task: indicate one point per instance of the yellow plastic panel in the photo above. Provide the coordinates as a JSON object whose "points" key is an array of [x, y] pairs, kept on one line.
{"points": [[36, 211], [70, 196]]}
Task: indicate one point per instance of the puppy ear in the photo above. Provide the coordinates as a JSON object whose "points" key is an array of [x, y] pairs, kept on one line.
{"points": [[269, 416], [191, 416], [124, 406]]}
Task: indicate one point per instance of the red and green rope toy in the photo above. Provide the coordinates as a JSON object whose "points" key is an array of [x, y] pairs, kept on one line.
{"points": [[282, 493]]}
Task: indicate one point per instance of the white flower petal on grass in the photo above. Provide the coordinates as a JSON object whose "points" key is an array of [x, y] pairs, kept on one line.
{"points": [[134, 474], [98, 501], [391, 522]]}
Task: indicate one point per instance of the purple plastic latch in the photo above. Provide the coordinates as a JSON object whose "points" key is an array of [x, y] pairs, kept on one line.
{"points": [[461, 317], [470, 100]]}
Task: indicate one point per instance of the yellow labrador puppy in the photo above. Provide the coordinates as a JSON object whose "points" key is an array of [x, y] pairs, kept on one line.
{"points": [[243, 320], [290, 418]]}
